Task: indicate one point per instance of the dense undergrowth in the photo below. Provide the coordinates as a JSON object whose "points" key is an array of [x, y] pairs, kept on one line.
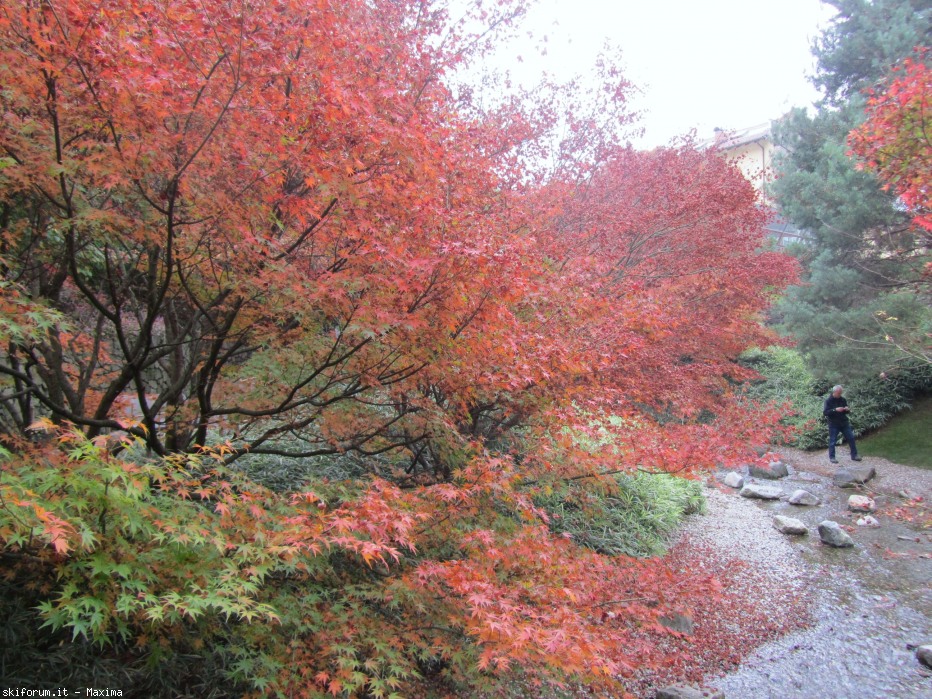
{"points": [[633, 516], [181, 577], [787, 380]]}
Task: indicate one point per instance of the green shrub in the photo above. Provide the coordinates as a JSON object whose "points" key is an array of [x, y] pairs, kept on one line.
{"points": [[123, 574], [786, 379], [633, 515], [875, 400]]}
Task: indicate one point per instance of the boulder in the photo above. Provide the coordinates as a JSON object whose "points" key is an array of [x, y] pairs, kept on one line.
{"points": [[803, 497], [868, 521], [789, 525], [762, 492], [772, 470], [924, 655], [851, 476], [861, 503], [685, 691], [733, 479], [833, 535]]}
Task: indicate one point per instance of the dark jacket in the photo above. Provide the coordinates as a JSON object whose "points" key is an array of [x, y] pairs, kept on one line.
{"points": [[834, 417]]}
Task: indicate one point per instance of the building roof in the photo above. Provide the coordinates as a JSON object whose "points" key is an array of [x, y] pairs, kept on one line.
{"points": [[725, 140]]}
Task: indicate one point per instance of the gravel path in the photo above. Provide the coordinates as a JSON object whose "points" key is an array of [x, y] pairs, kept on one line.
{"points": [[866, 603]]}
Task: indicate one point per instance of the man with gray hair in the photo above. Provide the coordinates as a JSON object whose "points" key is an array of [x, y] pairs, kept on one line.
{"points": [[836, 412]]}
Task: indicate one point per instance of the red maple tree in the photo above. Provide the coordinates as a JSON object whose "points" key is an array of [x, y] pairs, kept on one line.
{"points": [[276, 229]]}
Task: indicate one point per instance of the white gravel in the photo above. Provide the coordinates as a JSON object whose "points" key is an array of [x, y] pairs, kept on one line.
{"points": [[737, 528], [868, 604]]}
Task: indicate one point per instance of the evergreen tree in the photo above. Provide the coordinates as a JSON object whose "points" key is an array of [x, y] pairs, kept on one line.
{"points": [[866, 39], [864, 308]]}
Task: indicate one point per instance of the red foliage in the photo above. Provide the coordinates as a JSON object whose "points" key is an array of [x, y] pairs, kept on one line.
{"points": [[749, 611], [277, 228], [914, 510], [896, 139]]}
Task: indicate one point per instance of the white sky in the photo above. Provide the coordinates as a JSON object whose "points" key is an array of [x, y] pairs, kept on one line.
{"points": [[700, 63]]}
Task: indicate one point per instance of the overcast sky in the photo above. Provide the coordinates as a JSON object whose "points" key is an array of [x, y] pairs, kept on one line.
{"points": [[701, 64]]}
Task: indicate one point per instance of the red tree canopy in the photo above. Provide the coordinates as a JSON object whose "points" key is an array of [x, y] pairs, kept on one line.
{"points": [[276, 230]]}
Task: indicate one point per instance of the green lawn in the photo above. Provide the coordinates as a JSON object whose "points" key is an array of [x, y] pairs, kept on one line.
{"points": [[907, 439]]}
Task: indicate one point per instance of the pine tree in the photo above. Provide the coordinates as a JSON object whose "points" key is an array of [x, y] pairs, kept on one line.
{"points": [[864, 307]]}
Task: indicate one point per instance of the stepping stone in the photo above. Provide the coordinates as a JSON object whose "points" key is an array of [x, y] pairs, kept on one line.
{"points": [[733, 480], [833, 535], [803, 497], [679, 623], [772, 471], [851, 476], [789, 525], [861, 503], [761, 492]]}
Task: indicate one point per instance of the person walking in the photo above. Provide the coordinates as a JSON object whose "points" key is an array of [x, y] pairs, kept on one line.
{"points": [[836, 412]]}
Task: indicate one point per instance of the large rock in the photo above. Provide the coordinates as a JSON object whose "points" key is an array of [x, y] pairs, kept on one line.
{"points": [[861, 503], [762, 492], [733, 479], [833, 535], [803, 497], [851, 476], [685, 691], [789, 525], [772, 470], [923, 655]]}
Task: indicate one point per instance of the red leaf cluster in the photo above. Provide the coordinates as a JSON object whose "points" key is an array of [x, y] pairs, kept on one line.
{"points": [[896, 139]]}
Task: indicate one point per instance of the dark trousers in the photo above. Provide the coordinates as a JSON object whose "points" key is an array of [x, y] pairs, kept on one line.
{"points": [[833, 432]]}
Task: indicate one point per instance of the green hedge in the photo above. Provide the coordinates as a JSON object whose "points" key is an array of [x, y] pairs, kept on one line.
{"points": [[786, 378]]}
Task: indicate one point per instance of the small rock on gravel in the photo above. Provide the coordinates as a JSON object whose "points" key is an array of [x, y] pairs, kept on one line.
{"points": [[789, 525], [851, 476], [803, 497], [678, 622], [733, 479], [859, 646], [772, 470], [924, 655], [861, 503], [685, 691], [833, 535], [868, 521], [762, 492]]}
